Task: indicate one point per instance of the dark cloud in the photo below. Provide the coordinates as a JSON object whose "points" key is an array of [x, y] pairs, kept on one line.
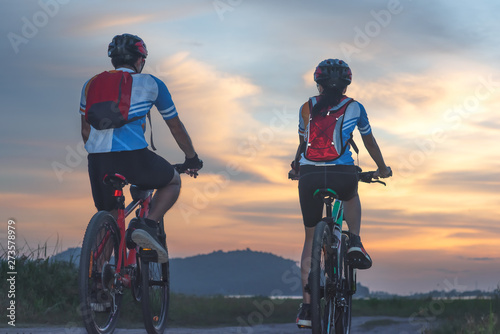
{"points": [[490, 124], [452, 271], [230, 171], [466, 181], [401, 221], [482, 259]]}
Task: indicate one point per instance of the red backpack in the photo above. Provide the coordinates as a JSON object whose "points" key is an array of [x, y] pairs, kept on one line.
{"points": [[324, 131], [108, 100]]}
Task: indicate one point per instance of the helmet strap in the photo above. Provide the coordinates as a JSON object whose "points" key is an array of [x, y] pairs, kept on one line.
{"points": [[143, 61]]}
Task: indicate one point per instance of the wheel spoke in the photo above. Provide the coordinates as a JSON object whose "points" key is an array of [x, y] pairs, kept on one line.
{"points": [[100, 302], [320, 278], [155, 295], [344, 303]]}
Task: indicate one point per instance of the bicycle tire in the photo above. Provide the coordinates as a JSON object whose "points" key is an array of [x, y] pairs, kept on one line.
{"points": [[136, 280], [343, 313], [99, 301], [322, 306], [155, 295]]}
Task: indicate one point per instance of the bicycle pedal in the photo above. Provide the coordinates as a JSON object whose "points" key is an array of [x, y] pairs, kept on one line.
{"points": [[304, 327], [148, 255]]}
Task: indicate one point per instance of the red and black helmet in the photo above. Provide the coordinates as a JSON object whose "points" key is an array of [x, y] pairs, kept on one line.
{"points": [[127, 45], [333, 73]]}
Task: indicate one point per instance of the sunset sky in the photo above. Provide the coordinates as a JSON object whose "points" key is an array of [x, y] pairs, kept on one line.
{"points": [[427, 72]]}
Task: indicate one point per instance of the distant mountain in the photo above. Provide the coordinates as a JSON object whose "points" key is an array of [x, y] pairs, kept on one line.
{"points": [[361, 291], [70, 255], [239, 272]]}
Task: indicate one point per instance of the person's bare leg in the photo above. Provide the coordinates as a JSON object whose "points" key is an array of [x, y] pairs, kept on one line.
{"points": [[305, 262], [352, 214], [165, 198], [356, 252]]}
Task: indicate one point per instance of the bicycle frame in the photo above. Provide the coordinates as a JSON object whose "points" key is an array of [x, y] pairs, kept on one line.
{"points": [[108, 266], [337, 213], [130, 258], [334, 216], [332, 278]]}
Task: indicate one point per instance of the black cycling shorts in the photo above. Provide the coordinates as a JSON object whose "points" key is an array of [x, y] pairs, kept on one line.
{"points": [[142, 168], [342, 179]]}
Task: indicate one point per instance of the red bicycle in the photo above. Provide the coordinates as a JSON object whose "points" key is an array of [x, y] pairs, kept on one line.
{"points": [[107, 267]]}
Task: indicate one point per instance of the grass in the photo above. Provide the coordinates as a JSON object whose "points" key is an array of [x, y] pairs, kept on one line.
{"points": [[473, 321], [47, 294], [43, 289]]}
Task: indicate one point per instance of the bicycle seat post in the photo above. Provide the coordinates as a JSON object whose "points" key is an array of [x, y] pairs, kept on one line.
{"points": [[118, 182], [328, 196]]}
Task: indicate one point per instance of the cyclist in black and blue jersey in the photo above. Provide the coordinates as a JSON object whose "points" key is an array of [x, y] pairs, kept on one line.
{"points": [[332, 77], [124, 149]]}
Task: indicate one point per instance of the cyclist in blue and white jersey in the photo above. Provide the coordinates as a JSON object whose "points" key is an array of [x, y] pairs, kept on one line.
{"points": [[124, 150], [332, 77]]}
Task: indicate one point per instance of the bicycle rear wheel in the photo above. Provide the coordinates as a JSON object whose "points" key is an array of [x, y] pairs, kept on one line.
{"points": [[99, 299], [155, 296], [348, 287], [322, 304]]}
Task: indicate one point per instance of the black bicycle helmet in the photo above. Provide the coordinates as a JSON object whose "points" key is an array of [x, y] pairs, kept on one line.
{"points": [[127, 46], [333, 73]]}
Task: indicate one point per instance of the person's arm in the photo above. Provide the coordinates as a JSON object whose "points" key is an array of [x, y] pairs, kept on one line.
{"points": [[374, 151], [85, 130], [294, 172], [299, 149], [85, 127], [303, 119], [181, 136]]}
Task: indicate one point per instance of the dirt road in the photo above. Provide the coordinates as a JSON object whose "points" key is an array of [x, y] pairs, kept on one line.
{"points": [[365, 325]]}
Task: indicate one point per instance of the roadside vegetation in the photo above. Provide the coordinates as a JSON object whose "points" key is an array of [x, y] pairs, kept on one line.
{"points": [[47, 294]]}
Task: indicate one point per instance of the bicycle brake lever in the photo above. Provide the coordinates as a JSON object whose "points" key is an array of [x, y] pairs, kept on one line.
{"points": [[368, 178]]}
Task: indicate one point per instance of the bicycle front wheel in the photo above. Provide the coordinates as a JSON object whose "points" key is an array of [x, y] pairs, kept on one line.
{"points": [[155, 296], [320, 279], [348, 284], [99, 299]]}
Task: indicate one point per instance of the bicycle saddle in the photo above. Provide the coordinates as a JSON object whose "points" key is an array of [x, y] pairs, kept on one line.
{"points": [[325, 193], [116, 181], [139, 194]]}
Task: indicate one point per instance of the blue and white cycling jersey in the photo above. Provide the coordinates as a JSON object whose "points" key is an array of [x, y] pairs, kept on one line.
{"points": [[147, 90], [355, 115]]}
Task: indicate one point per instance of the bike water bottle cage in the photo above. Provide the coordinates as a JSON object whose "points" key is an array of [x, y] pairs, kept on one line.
{"points": [[116, 181]]}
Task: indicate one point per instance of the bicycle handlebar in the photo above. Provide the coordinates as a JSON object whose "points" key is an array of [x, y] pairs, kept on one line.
{"points": [[180, 169], [366, 177]]}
